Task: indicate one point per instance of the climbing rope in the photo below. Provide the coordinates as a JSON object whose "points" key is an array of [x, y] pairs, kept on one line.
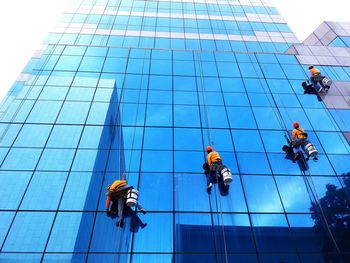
{"points": [[211, 143], [137, 109], [313, 194], [123, 172]]}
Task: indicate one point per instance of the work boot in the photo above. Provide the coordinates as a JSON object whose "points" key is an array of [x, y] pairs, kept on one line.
{"points": [[315, 158], [120, 223], [210, 185], [143, 211]]}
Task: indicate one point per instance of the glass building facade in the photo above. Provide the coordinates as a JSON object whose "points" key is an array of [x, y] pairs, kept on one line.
{"points": [[141, 88]]}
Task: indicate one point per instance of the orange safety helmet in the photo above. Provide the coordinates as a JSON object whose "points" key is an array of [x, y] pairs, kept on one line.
{"points": [[296, 124], [311, 66], [208, 149]]}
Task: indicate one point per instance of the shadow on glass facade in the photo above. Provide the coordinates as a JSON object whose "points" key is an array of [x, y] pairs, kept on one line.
{"points": [[142, 87]]}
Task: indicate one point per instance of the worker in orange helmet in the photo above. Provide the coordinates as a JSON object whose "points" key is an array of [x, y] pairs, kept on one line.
{"points": [[299, 138], [117, 192], [317, 78], [215, 164]]}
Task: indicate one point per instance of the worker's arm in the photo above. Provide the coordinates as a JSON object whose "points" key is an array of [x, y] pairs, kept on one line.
{"points": [[108, 203], [294, 134], [209, 158]]}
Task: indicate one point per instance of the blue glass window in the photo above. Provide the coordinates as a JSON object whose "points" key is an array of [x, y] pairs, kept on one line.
{"points": [[267, 118], [193, 233], [68, 63], [157, 161], [42, 185], [159, 96], [279, 86], [53, 93], [159, 229], [184, 83], [266, 199], [194, 158], [163, 67], [73, 113], [186, 116], [247, 141], [256, 85], [159, 115], [227, 69], [6, 220], [184, 199], [85, 185], [156, 186], [340, 163], [334, 143], [33, 135], [294, 194], [183, 68], [158, 138], [238, 234], [11, 188], [56, 159], [232, 85], [187, 139], [241, 117], [45, 111], [236, 99], [64, 136], [90, 160], [209, 115], [272, 233], [78, 236], [282, 164], [24, 234], [80, 94], [188, 97], [101, 113], [160, 82], [21, 159], [272, 71], [105, 233], [221, 139]]}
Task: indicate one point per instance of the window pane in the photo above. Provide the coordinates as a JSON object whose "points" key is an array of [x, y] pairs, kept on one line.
{"points": [[40, 186], [24, 234], [264, 200]]}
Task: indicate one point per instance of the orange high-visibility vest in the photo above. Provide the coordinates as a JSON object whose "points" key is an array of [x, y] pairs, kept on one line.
{"points": [[116, 184], [299, 133], [213, 157]]}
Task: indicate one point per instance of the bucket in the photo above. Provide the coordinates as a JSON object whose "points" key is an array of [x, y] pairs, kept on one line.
{"points": [[326, 82], [226, 176], [311, 150], [131, 197]]}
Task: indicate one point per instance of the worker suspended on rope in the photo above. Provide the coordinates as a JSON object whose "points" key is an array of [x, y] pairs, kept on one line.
{"points": [[299, 140], [215, 170], [322, 83], [121, 193], [311, 89]]}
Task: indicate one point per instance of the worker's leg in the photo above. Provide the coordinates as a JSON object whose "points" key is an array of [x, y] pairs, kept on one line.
{"points": [[139, 207], [121, 202]]}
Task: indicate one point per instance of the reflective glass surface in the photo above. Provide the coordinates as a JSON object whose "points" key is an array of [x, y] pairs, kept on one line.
{"points": [[137, 90]]}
